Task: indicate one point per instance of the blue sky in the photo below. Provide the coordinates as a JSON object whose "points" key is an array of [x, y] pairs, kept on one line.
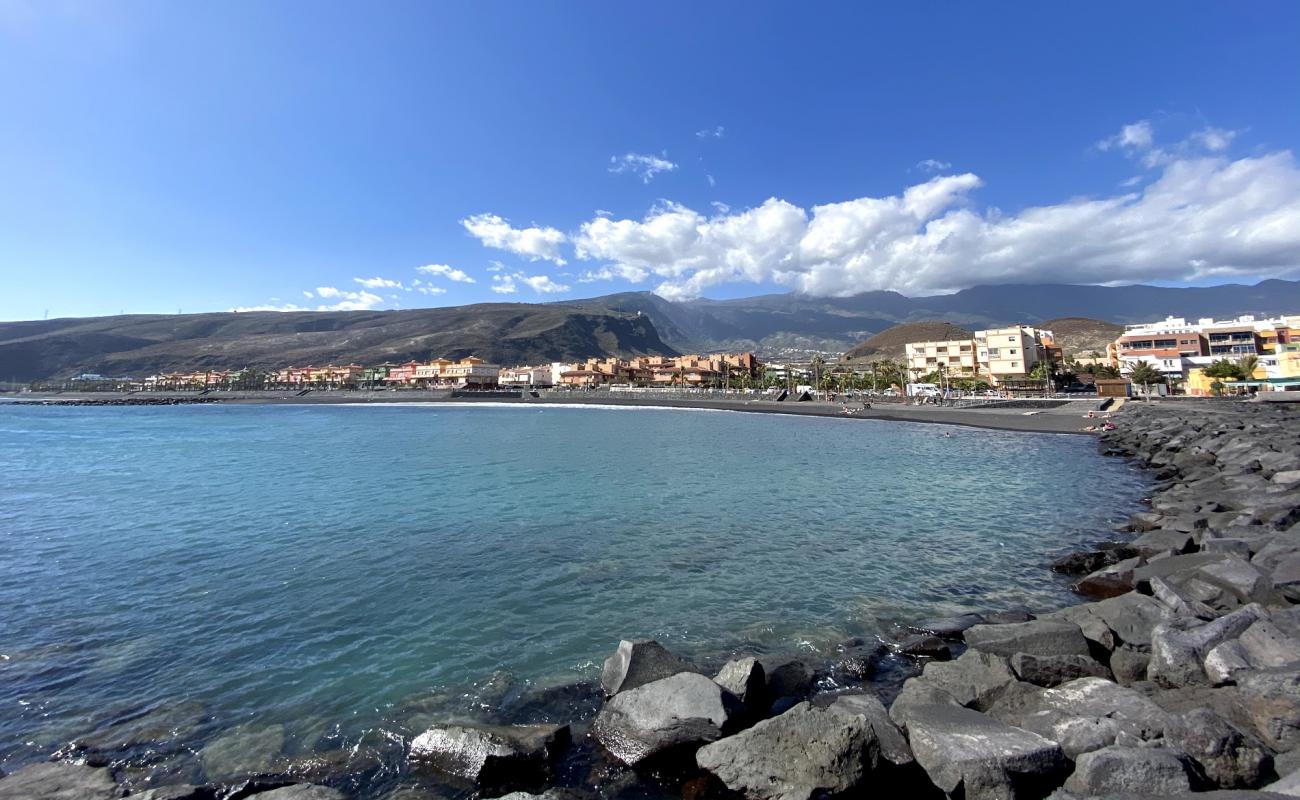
{"points": [[157, 156]]}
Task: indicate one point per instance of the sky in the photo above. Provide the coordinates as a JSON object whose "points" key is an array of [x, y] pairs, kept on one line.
{"points": [[190, 156]]}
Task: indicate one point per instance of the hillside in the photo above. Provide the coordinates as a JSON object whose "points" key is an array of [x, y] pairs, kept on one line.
{"points": [[773, 323], [889, 343], [1080, 336], [137, 345]]}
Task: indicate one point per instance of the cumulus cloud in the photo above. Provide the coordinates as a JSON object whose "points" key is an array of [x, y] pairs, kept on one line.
{"points": [[1202, 216], [640, 164], [504, 284], [629, 274], [1134, 136], [1216, 140], [451, 274], [533, 243], [715, 132], [1138, 141], [430, 290], [932, 165], [347, 301], [380, 283]]}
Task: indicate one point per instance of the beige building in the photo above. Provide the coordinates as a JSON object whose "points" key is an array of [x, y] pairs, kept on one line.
{"points": [[955, 356], [1012, 353]]}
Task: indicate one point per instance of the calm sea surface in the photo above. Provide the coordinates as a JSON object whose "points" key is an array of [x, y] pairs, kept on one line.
{"points": [[327, 570]]}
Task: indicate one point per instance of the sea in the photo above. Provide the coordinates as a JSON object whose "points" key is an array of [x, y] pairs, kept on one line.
{"points": [[197, 592]]}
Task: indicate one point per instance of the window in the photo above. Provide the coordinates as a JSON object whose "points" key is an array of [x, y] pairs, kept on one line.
{"points": [[993, 352], [1015, 363], [1011, 338], [1012, 351]]}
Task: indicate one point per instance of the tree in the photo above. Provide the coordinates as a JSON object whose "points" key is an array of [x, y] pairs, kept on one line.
{"points": [[1223, 368], [818, 364], [1248, 365], [1145, 374]]}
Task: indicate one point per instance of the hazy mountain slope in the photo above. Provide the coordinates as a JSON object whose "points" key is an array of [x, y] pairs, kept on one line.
{"points": [[890, 342], [1080, 335], [506, 333]]}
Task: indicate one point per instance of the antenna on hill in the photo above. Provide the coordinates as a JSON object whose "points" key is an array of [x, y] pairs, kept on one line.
{"points": [[47, 313]]}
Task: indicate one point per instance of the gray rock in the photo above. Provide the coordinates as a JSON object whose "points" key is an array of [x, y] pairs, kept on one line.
{"points": [[676, 713], [1041, 637], [1288, 785], [971, 755], [1246, 582], [1229, 758], [1090, 713], [492, 755], [790, 678], [1286, 578], [925, 646], [915, 694], [808, 751], [744, 678], [1179, 645], [1224, 661], [947, 627], [182, 791], [1178, 602], [1163, 541], [1232, 546], [1055, 670], [1166, 567], [59, 781], [302, 791], [975, 680], [1111, 581], [1129, 665], [1148, 770], [637, 662], [1270, 699]]}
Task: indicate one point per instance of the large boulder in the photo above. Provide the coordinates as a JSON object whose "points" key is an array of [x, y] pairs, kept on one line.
{"points": [[302, 791], [809, 752], [243, 751], [789, 681], [1147, 770], [1229, 758], [1091, 713], [1179, 645], [974, 680], [59, 781], [660, 719], [637, 662], [492, 755], [1270, 699], [1041, 637], [1055, 670], [971, 755], [947, 627], [180, 791]]}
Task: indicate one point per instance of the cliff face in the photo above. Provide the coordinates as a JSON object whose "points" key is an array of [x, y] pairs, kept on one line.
{"points": [[137, 345]]}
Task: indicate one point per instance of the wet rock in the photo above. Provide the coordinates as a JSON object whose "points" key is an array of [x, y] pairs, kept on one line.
{"points": [[1041, 637], [637, 662], [1054, 670], [245, 750], [788, 682], [59, 781], [673, 714], [971, 755], [1148, 770], [809, 752], [1008, 617], [1229, 758], [946, 627], [858, 663], [182, 791], [925, 646], [1090, 713], [492, 756], [745, 678], [1111, 581]]}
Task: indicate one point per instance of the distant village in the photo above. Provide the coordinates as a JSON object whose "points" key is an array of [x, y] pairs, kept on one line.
{"points": [[1173, 356]]}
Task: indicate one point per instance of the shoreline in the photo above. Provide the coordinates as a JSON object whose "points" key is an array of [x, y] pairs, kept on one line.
{"points": [[1068, 418]]}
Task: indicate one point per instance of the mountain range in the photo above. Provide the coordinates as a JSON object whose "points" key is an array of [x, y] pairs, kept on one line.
{"points": [[630, 323]]}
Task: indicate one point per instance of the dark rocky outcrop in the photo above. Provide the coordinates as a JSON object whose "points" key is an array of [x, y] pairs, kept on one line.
{"points": [[492, 756], [637, 662], [59, 781], [664, 718]]}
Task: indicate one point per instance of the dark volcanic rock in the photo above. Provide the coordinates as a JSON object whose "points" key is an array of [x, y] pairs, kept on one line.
{"points": [[946, 627], [1040, 637], [1229, 758], [974, 680], [59, 781], [302, 791], [1055, 670], [789, 681], [1147, 770], [1271, 701], [970, 755], [494, 756], [809, 752], [746, 679], [663, 718], [638, 662], [925, 646]]}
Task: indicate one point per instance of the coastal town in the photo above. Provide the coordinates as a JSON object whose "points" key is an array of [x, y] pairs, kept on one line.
{"points": [[1173, 356]]}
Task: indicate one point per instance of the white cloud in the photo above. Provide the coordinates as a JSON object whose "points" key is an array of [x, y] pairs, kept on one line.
{"points": [[643, 165], [711, 180], [541, 284], [711, 133], [430, 290], [1128, 183], [347, 301], [534, 243], [379, 283], [1201, 216], [307, 294], [1136, 136], [1138, 141], [629, 274], [445, 271], [504, 284], [932, 165], [495, 266], [1216, 140], [286, 307]]}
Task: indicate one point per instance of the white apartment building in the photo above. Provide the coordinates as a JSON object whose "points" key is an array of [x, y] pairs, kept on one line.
{"points": [[1011, 353], [956, 357]]}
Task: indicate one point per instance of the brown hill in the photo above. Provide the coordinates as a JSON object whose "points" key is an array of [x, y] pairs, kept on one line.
{"points": [[1079, 336], [890, 342], [137, 345]]}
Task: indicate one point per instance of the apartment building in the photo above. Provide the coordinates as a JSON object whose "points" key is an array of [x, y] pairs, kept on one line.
{"points": [[957, 357], [1179, 347], [1011, 353]]}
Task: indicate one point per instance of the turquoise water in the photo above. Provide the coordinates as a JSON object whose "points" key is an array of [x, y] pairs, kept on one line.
{"points": [[331, 569]]}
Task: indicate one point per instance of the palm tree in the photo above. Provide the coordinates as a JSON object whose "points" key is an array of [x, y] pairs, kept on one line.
{"points": [[818, 363], [1248, 365], [1145, 374]]}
